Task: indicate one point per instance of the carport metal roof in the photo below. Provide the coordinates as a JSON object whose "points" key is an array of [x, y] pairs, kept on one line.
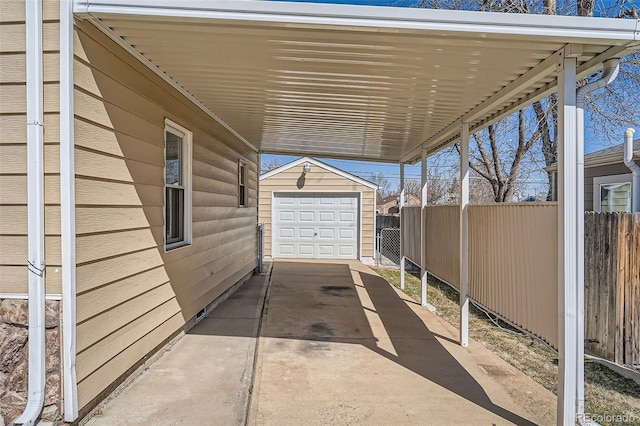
{"points": [[359, 82]]}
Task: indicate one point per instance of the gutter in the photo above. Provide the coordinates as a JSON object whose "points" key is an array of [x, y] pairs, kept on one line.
{"points": [[609, 73], [35, 214], [635, 170]]}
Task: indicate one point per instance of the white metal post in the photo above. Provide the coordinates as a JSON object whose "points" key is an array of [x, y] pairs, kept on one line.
{"points": [[423, 228], [68, 213], [401, 202], [464, 235], [567, 243]]}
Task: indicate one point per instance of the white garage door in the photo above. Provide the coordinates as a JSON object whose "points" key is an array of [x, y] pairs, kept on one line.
{"points": [[318, 226]]}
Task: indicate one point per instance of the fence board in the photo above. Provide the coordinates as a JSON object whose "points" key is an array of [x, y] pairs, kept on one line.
{"points": [[612, 286], [411, 233]]}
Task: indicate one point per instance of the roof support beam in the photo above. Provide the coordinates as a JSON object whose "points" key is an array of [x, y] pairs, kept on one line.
{"points": [[567, 244], [401, 202], [464, 235], [424, 274]]}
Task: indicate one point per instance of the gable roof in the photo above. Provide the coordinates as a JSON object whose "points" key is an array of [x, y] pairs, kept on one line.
{"points": [[611, 155], [322, 165], [384, 200]]}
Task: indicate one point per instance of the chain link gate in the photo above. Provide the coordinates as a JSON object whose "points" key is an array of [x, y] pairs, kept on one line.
{"points": [[388, 247]]}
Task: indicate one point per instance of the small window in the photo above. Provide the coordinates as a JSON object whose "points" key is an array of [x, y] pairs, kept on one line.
{"points": [[615, 197], [242, 185], [177, 184], [612, 193]]}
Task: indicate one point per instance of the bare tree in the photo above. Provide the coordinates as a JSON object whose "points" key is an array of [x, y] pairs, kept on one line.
{"points": [[609, 110], [269, 165], [384, 187]]}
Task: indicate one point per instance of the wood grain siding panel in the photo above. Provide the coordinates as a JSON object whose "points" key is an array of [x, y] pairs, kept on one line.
{"points": [[13, 148], [132, 295], [92, 388]]}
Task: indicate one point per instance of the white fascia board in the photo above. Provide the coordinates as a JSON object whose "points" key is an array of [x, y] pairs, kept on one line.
{"points": [[322, 165], [562, 28]]}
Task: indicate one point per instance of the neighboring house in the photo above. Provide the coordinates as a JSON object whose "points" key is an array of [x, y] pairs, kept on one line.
{"points": [[607, 181], [165, 214], [386, 205], [313, 210], [389, 204]]}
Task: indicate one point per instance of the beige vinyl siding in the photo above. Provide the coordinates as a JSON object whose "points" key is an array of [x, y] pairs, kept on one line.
{"points": [[132, 296], [591, 172], [13, 148], [317, 180]]}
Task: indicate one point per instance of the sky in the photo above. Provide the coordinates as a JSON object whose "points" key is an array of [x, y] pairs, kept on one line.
{"points": [[535, 185]]}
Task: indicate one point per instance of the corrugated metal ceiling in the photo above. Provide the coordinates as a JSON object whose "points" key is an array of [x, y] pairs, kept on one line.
{"points": [[336, 90]]}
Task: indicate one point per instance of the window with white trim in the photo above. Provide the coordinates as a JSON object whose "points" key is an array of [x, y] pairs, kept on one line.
{"points": [[612, 193], [177, 185], [242, 185]]}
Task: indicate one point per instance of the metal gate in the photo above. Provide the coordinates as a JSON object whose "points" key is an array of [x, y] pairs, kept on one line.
{"points": [[388, 247]]}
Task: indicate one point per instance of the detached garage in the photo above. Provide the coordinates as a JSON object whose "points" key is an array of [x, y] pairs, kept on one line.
{"points": [[311, 210]]}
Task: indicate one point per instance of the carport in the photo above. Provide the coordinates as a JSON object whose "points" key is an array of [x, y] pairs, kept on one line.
{"points": [[374, 83]]}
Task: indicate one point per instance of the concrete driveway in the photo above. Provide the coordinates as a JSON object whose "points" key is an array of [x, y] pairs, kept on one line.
{"points": [[339, 345]]}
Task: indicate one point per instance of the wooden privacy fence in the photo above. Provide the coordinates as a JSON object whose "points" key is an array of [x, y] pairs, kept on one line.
{"points": [[513, 264], [612, 286]]}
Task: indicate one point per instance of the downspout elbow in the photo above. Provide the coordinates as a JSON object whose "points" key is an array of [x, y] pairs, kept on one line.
{"points": [[628, 151], [609, 73]]}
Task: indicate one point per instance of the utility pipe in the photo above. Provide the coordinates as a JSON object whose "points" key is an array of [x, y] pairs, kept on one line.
{"points": [[635, 170], [35, 215], [609, 73]]}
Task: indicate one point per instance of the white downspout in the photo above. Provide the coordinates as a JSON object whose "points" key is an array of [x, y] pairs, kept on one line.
{"points": [[609, 74], [67, 213], [635, 169], [35, 214]]}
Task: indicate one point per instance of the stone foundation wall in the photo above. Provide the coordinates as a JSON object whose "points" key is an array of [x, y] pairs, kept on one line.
{"points": [[14, 321]]}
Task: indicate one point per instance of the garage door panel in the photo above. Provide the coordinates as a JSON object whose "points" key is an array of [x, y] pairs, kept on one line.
{"points": [[306, 249], [346, 234], [326, 233], [287, 232], [286, 249], [326, 250], [327, 216], [316, 226], [346, 251], [306, 233], [347, 217], [306, 216], [286, 216]]}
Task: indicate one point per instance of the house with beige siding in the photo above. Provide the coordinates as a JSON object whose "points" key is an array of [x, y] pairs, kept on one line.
{"points": [[130, 134], [165, 209], [311, 210]]}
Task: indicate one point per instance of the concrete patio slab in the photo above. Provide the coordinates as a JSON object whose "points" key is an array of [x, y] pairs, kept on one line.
{"points": [[339, 345], [204, 378]]}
